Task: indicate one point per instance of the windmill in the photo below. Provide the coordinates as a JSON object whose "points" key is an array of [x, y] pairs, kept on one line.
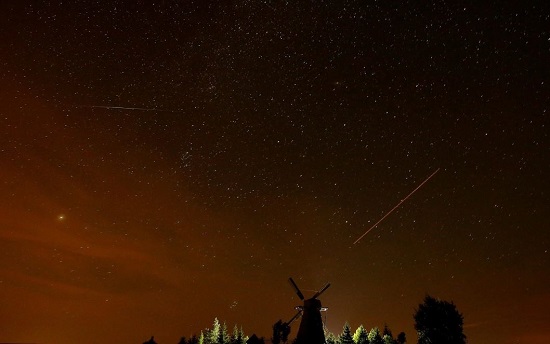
{"points": [[311, 326]]}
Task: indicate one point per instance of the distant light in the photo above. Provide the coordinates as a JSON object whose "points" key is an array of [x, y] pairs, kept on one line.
{"points": [[61, 217]]}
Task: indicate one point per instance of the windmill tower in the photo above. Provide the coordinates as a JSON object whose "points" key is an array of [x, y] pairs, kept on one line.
{"points": [[311, 326]]}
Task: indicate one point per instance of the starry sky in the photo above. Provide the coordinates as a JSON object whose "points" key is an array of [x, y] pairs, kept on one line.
{"points": [[164, 163]]}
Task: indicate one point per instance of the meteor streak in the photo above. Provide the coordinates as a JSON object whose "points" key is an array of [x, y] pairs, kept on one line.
{"points": [[128, 108], [397, 206]]}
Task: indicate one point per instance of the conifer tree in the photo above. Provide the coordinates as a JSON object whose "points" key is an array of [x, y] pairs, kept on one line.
{"points": [[361, 335], [330, 338], [387, 339], [238, 337], [345, 336], [202, 338], [375, 337], [223, 337], [214, 334], [235, 338]]}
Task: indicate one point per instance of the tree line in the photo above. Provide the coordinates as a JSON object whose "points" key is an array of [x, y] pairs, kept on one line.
{"points": [[436, 322], [218, 334]]}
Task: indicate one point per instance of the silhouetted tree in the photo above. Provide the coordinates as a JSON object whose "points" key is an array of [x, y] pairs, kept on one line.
{"points": [[277, 329], [375, 337], [361, 335], [183, 340], [438, 322], [345, 336], [193, 340], [151, 341], [285, 332], [255, 340], [401, 339], [281, 331]]}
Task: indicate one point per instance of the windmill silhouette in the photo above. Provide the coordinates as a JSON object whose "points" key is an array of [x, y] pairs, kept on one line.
{"points": [[311, 326]]}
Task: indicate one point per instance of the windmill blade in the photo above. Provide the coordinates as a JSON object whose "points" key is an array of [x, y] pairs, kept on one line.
{"points": [[321, 291], [298, 292], [294, 318]]}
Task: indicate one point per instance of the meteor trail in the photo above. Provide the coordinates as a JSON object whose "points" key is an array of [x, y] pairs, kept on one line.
{"points": [[397, 206], [128, 108]]}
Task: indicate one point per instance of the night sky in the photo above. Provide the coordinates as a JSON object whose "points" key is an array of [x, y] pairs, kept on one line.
{"points": [[164, 163]]}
